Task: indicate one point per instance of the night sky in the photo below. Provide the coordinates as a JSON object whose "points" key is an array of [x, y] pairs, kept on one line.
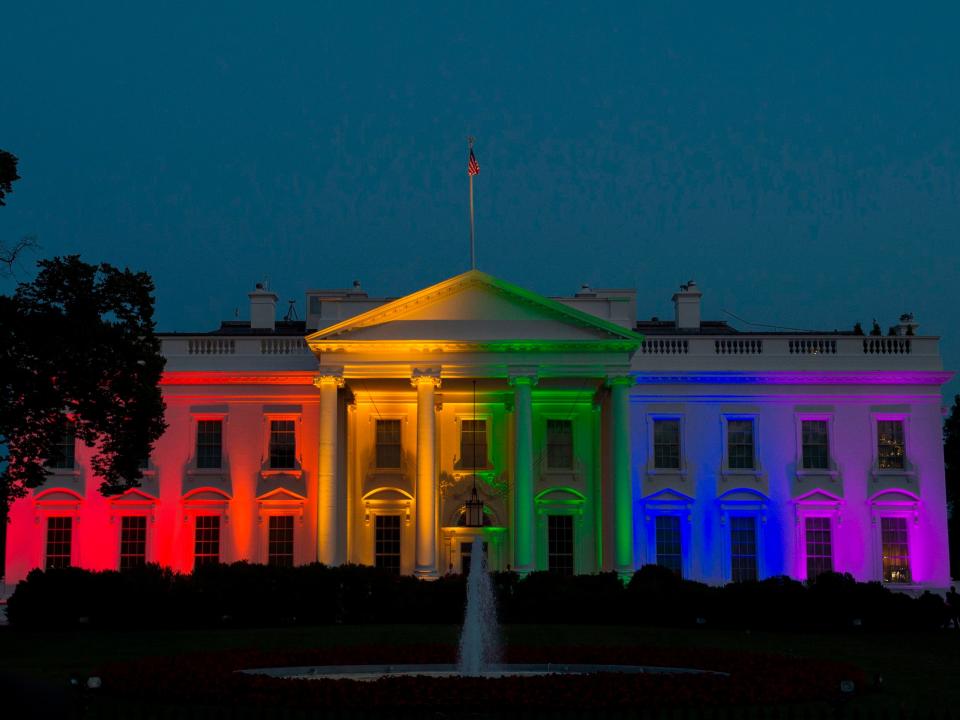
{"points": [[801, 163]]}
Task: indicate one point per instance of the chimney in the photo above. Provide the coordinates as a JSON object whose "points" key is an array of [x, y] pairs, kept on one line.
{"points": [[687, 304], [263, 309]]}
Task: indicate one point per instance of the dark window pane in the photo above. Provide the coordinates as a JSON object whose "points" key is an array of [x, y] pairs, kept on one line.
{"points": [[892, 451], [743, 549], [206, 540], [59, 542], [209, 443], [133, 541], [740, 444], [388, 444], [473, 443], [896, 552], [387, 543], [816, 445], [280, 541], [560, 544], [668, 543], [666, 444], [64, 454], [819, 546], [283, 444], [560, 444]]}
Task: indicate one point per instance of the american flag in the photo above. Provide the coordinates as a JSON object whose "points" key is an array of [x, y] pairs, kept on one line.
{"points": [[473, 167]]}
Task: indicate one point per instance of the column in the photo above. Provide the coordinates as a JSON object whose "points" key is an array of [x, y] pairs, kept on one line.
{"points": [[622, 483], [524, 537], [426, 382], [328, 516]]}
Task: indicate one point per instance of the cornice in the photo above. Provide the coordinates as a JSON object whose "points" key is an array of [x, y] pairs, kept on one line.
{"points": [[237, 378], [464, 346], [774, 377]]}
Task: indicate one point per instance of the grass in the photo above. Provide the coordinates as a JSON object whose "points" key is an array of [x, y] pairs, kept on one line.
{"points": [[921, 672]]}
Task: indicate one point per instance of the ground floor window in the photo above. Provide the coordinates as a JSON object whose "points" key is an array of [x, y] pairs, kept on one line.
{"points": [[59, 542], [895, 551], [560, 544], [668, 543], [819, 546], [206, 546], [280, 540], [387, 543], [133, 541], [743, 549], [466, 556]]}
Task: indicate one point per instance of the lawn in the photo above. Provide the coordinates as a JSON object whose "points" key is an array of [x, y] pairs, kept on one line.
{"points": [[921, 672]]}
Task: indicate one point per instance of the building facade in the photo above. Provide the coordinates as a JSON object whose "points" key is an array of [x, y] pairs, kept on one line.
{"points": [[596, 442]]}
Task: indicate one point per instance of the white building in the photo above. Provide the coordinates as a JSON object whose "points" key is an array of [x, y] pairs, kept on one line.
{"points": [[595, 443]]}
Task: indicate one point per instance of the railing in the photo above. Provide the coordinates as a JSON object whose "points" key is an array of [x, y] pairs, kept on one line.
{"points": [[886, 346], [664, 346], [812, 346], [211, 346], [283, 346], [736, 346]]}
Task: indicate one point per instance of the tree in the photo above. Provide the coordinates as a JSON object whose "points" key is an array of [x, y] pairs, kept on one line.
{"points": [[77, 345], [8, 174], [951, 456]]}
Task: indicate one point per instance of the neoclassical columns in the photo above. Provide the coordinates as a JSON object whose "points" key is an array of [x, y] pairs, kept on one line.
{"points": [[328, 516], [622, 484], [426, 382], [524, 538]]}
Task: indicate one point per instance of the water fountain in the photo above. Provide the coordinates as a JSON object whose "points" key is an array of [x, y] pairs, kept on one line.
{"points": [[479, 638]]}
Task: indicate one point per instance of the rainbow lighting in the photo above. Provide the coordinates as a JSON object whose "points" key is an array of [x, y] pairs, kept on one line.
{"points": [[595, 443]]}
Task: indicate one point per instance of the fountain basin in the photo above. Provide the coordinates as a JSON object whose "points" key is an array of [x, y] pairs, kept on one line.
{"points": [[370, 673]]}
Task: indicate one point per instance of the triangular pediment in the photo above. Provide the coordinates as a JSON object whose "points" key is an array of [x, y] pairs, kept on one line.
{"points": [[476, 311]]}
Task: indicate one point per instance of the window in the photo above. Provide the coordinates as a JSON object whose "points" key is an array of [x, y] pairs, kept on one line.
{"points": [[891, 450], [740, 444], [283, 444], [560, 444], [209, 443], [743, 549], [133, 541], [666, 444], [64, 457], [206, 547], [387, 543], [59, 542], [280, 541], [819, 546], [668, 543], [816, 445], [896, 554], [388, 444], [560, 544], [473, 443]]}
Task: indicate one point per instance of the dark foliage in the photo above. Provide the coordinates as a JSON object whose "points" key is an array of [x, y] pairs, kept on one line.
{"points": [[243, 594], [951, 455], [8, 174], [78, 341]]}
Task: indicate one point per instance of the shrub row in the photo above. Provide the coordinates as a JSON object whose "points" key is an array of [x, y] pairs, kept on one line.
{"points": [[258, 595]]}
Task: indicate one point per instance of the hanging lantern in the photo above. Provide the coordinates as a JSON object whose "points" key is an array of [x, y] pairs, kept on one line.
{"points": [[474, 509]]}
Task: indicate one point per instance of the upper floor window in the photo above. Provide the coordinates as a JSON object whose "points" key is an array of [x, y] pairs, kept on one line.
{"points": [[59, 542], [64, 454], [895, 550], [209, 443], [388, 444], [560, 444], [133, 541], [740, 444], [473, 443], [666, 444], [283, 444], [891, 449], [816, 445]]}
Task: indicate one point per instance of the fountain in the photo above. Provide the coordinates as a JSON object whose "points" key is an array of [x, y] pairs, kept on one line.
{"points": [[479, 641]]}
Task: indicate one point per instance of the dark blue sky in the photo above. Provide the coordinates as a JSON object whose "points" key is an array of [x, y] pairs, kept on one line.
{"points": [[801, 163]]}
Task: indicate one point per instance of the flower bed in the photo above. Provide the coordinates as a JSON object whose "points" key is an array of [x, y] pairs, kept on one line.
{"points": [[754, 679]]}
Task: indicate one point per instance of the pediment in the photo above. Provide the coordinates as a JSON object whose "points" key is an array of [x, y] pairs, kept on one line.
{"points": [[818, 496], [668, 497], [475, 311]]}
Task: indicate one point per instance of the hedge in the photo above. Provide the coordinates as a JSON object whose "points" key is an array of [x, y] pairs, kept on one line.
{"points": [[245, 594]]}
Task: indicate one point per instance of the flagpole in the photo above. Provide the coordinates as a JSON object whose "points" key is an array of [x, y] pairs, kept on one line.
{"points": [[473, 245]]}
